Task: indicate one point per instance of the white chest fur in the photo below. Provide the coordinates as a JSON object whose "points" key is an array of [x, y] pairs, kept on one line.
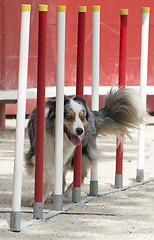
{"points": [[49, 149]]}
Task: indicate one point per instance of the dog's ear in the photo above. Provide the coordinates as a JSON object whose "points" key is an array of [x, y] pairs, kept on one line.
{"points": [[51, 108], [66, 100], [82, 101], [87, 113]]}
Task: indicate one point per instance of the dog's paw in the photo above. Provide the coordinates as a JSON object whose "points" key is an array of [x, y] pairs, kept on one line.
{"points": [[67, 196], [67, 199], [31, 203], [49, 199]]}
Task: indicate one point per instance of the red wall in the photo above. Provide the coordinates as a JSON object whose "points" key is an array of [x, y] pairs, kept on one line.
{"points": [[109, 58]]}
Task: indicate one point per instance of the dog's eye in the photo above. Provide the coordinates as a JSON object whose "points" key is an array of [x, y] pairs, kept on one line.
{"points": [[82, 118], [69, 118]]}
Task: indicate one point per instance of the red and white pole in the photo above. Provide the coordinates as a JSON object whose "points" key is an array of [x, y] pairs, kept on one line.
{"points": [[42, 33], [76, 194], [122, 79]]}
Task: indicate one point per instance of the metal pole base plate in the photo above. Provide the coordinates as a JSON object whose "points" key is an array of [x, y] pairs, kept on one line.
{"points": [[119, 181], [140, 175], [15, 221], [38, 210], [76, 194], [58, 202], [93, 188]]}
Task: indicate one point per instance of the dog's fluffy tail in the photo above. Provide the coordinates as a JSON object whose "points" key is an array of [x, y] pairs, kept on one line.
{"points": [[122, 111]]}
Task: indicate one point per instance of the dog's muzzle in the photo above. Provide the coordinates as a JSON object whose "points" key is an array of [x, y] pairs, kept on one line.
{"points": [[79, 131], [74, 139]]}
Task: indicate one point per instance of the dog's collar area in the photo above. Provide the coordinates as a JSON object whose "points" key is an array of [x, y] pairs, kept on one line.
{"points": [[73, 138]]}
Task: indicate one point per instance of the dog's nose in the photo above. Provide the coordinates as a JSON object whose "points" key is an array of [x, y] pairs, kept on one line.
{"points": [[79, 131]]}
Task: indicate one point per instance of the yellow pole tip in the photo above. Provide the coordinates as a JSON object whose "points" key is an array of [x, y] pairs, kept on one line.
{"points": [[145, 9], [82, 9], [61, 8], [123, 11], [25, 7], [96, 8], [43, 8]]}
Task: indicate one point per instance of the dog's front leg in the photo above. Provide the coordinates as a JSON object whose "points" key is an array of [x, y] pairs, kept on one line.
{"points": [[48, 183], [68, 193], [46, 190]]}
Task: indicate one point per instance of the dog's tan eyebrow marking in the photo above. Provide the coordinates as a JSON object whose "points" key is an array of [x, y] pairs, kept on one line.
{"points": [[70, 115], [82, 114]]}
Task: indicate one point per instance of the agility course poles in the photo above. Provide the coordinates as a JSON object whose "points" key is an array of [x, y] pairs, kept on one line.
{"points": [[60, 73], [95, 85], [143, 88], [122, 78], [42, 33], [21, 110], [76, 193]]}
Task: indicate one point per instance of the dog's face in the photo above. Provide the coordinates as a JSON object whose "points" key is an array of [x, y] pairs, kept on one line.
{"points": [[75, 119]]}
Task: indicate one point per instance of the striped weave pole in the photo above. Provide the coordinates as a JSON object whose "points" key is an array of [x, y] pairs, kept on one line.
{"points": [[76, 194], [42, 33], [21, 110], [122, 78]]}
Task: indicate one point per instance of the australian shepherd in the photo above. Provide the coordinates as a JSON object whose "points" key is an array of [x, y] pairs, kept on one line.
{"points": [[122, 111]]}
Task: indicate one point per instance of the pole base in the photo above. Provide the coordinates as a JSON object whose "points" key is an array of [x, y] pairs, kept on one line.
{"points": [[38, 210], [93, 188], [76, 194], [140, 175], [58, 202], [15, 221], [119, 181]]}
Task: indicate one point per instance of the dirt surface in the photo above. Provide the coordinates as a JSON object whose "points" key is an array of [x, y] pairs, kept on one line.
{"points": [[125, 214]]}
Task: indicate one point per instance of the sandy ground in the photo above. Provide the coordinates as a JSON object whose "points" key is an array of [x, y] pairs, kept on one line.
{"points": [[125, 214]]}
